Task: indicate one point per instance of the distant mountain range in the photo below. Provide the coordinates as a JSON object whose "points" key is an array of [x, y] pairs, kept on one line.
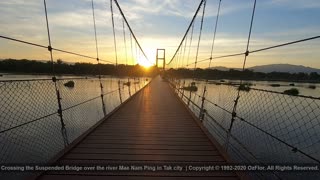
{"points": [[275, 68]]}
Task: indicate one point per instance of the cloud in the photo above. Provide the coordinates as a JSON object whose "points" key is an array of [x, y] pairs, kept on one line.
{"points": [[297, 4], [159, 7], [292, 34]]}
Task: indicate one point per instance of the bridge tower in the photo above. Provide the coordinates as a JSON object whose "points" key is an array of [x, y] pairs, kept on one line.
{"points": [[161, 55]]}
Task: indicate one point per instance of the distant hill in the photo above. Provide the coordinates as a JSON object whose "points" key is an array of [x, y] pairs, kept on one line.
{"points": [[275, 68], [221, 68], [284, 68]]}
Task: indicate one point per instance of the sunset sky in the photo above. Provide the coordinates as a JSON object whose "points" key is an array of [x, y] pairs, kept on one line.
{"points": [[162, 24]]}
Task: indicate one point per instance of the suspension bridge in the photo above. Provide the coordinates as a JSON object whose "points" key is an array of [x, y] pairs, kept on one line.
{"points": [[140, 127]]}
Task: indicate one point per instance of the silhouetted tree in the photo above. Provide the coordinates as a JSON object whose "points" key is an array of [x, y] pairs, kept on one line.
{"points": [[60, 67]]}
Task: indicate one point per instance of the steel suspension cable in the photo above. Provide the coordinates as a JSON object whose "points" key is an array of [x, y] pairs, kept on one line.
{"points": [[95, 30], [192, 21], [49, 40], [184, 50], [99, 64], [234, 110], [202, 110], [130, 29], [54, 49], [190, 43], [200, 33], [54, 79], [136, 49], [131, 49], [180, 58], [114, 34], [214, 33], [261, 49], [125, 41]]}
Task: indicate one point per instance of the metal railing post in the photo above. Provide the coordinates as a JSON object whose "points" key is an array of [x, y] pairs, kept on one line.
{"points": [[63, 125], [189, 99], [129, 87], [202, 110], [119, 91], [177, 86], [103, 104], [139, 83], [135, 85], [234, 115], [182, 94], [180, 87], [54, 79]]}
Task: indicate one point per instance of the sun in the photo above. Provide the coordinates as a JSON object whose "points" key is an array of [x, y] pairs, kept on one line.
{"points": [[144, 62]]}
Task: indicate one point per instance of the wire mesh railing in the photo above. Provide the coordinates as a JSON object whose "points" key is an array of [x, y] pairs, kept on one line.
{"points": [[270, 127], [30, 128]]}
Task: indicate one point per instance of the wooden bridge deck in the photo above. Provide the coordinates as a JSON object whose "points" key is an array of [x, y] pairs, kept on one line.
{"points": [[151, 128]]}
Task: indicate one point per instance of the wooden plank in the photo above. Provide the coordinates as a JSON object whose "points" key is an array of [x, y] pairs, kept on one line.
{"points": [[143, 151], [151, 131], [137, 118], [154, 121], [141, 141], [145, 146], [147, 131], [146, 124], [142, 157], [154, 118], [140, 113], [148, 138], [159, 135], [150, 126]]}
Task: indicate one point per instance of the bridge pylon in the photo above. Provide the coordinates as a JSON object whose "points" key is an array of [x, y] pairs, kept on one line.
{"points": [[161, 55]]}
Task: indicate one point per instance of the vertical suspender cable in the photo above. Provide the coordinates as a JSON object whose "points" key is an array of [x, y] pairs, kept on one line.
{"points": [[125, 42], [95, 29], [114, 34], [125, 49], [184, 50], [131, 50], [133, 35], [99, 65], [132, 65], [214, 33], [201, 25], [190, 44], [234, 114], [202, 110], [191, 23], [115, 48], [54, 79]]}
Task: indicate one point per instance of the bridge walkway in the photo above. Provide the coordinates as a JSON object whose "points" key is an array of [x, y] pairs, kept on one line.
{"points": [[152, 129]]}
